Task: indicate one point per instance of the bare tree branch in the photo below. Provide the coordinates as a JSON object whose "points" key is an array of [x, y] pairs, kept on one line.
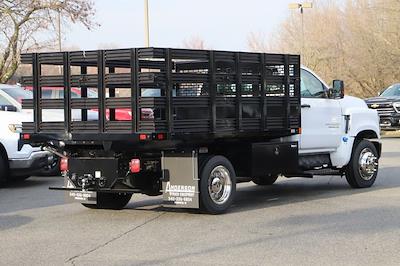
{"points": [[24, 23], [357, 41]]}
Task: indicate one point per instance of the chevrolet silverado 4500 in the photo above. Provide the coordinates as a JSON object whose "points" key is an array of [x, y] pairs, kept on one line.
{"points": [[202, 121]]}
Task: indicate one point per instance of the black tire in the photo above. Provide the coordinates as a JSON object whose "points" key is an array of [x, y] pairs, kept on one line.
{"points": [[4, 171], [52, 170], [356, 176], [112, 201], [265, 180], [219, 166]]}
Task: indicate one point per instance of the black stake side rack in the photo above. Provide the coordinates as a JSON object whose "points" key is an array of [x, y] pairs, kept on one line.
{"points": [[177, 92]]}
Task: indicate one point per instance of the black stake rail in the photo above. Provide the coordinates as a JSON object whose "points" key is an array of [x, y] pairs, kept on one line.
{"points": [[172, 91]]}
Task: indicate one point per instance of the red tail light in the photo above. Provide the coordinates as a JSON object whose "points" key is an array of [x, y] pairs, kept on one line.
{"points": [[64, 164], [134, 166], [160, 136], [26, 136], [143, 137]]}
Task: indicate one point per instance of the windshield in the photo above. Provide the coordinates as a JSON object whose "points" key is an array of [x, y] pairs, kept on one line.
{"points": [[18, 93], [393, 90], [4, 101]]}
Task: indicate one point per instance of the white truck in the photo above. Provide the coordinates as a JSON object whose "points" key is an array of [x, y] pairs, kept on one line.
{"points": [[17, 161], [219, 118]]}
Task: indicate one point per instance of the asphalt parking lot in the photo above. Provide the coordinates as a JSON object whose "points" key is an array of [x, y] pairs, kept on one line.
{"points": [[295, 222]]}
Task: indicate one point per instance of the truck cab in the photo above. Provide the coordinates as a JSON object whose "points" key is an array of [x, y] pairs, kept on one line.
{"points": [[333, 127]]}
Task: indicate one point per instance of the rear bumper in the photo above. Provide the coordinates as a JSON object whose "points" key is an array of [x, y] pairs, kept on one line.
{"points": [[28, 166]]}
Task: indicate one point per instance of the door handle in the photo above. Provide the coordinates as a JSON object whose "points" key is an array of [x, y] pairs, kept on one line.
{"points": [[305, 106]]}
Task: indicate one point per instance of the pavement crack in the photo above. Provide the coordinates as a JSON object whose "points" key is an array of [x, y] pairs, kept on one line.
{"points": [[72, 259]]}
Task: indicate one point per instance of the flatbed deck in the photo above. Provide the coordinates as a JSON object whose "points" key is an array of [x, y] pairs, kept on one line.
{"points": [[184, 95]]}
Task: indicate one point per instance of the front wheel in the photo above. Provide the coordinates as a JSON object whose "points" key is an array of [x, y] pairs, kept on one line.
{"points": [[362, 170], [113, 201], [217, 185]]}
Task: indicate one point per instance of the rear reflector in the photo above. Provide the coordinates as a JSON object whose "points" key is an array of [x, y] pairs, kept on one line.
{"points": [[134, 166], [64, 164], [160, 136]]}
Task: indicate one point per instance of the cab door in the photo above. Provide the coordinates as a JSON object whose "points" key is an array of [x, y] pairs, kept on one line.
{"points": [[321, 117]]}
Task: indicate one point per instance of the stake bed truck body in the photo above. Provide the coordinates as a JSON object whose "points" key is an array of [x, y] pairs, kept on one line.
{"points": [[200, 122]]}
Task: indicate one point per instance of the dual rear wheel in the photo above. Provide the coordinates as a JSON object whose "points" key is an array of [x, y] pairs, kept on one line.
{"points": [[112, 201], [217, 184]]}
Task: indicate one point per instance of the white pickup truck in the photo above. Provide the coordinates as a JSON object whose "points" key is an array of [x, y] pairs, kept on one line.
{"points": [[17, 160]]}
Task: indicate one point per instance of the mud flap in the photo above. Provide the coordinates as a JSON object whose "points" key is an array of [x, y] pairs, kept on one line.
{"points": [[180, 180]]}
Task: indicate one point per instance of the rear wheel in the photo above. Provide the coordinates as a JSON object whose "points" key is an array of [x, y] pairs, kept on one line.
{"points": [[265, 180], [362, 170], [113, 201], [217, 185]]}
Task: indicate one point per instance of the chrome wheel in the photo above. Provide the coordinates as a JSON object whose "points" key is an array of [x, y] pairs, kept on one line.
{"points": [[219, 185], [368, 164]]}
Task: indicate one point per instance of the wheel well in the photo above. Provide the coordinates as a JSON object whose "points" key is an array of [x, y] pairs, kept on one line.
{"points": [[370, 134], [367, 134]]}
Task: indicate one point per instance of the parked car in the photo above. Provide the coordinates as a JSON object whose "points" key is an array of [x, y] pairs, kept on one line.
{"points": [[17, 94], [388, 106], [13, 95], [17, 161], [58, 93]]}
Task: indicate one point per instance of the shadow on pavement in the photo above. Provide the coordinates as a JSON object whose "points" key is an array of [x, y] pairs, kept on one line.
{"points": [[30, 182], [299, 190], [12, 221], [285, 191], [34, 193], [31, 193]]}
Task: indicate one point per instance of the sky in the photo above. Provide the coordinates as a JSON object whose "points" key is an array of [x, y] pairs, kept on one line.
{"points": [[222, 24]]}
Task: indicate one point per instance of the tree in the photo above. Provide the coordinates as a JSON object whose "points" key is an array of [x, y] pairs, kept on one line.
{"points": [[356, 40], [195, 43], [27, 25]]}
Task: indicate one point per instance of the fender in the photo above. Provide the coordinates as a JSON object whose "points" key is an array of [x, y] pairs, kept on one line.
{"points": [[360, 122]]}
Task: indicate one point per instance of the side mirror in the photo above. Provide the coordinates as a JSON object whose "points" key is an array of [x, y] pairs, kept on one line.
{"points": [[338, 89], [8, 108]]}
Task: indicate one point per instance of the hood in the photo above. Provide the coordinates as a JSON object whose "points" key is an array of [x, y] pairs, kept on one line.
{"points": [[351, 101], [13, 117], [382, 99]]}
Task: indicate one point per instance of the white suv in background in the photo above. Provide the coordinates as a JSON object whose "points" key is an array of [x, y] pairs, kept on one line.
{"points": [[16, 161]]}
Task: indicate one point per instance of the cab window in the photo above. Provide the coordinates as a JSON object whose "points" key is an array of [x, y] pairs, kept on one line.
{"points": [[311, 87]]}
